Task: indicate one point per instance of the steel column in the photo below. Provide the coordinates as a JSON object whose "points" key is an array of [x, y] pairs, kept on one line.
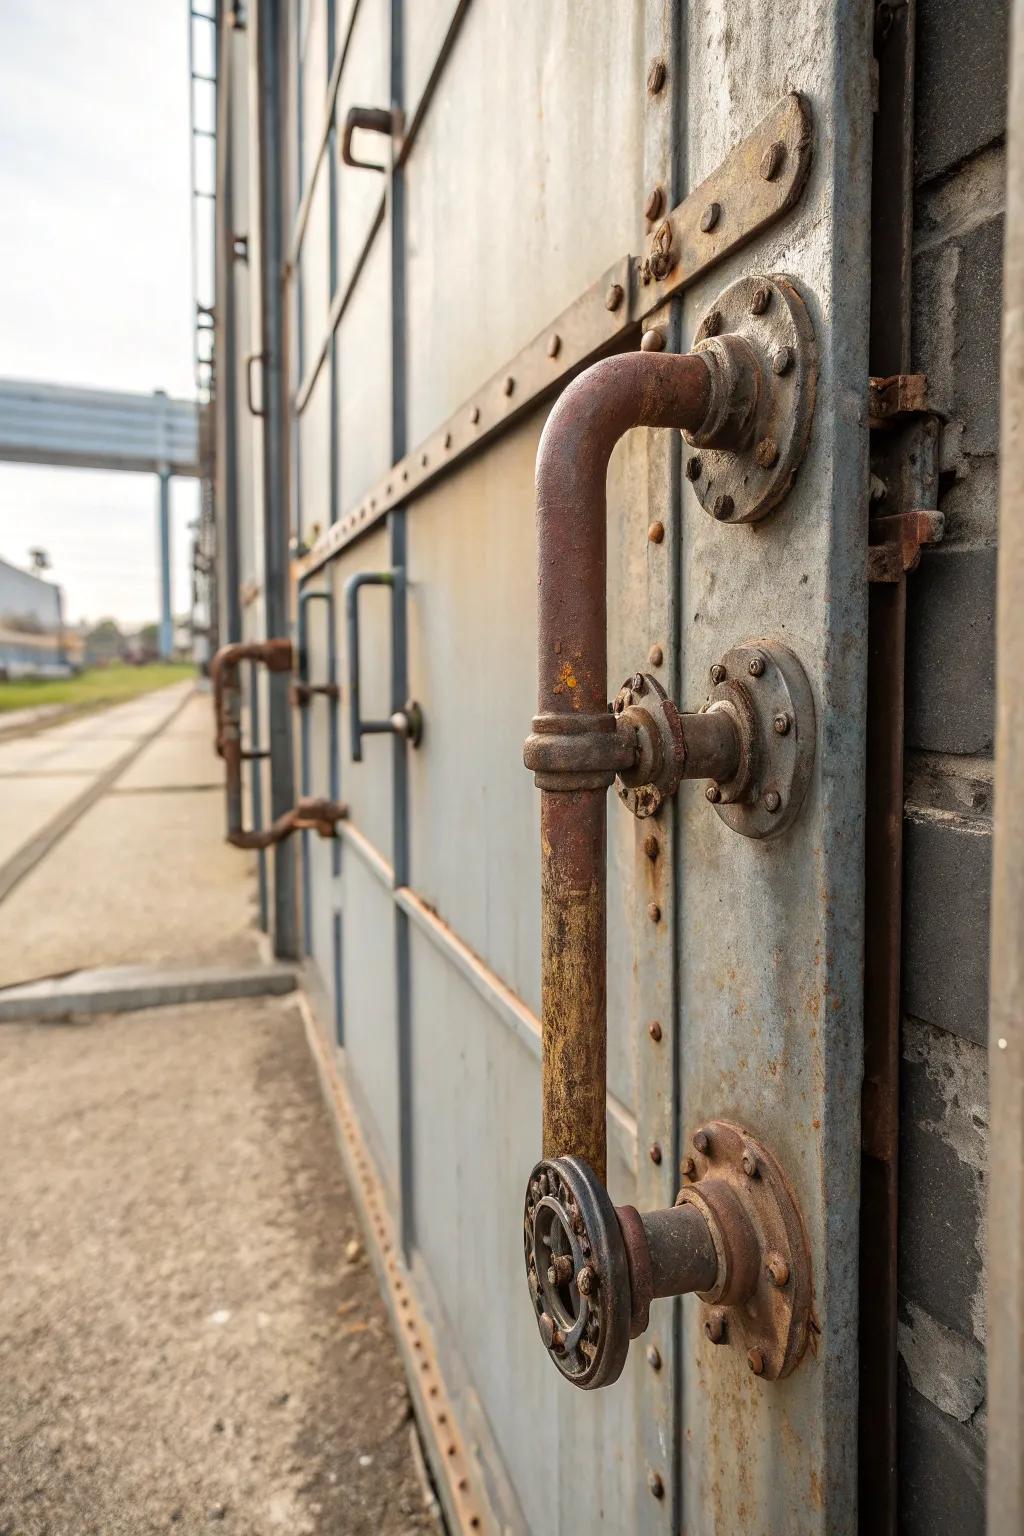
{"points": [[166, 641], [1006, 1035]]}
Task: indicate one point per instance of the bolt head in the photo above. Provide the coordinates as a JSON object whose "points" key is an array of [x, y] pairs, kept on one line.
{"points": [[656, 1485], [749, 1163], [760, 299], [509, 384], [655, 656], [586, 1280], [723, 508], [771, 160], [655, 202], [693, 467], [654, 1030], [548, 1330], [702, 1142], [654, 1153], [767, 452], [554, 344], [474, 414], [661, 265], [777, 1270], [718, 673], [771, 800], [652, 341], [654, 1357], [781, 725], [755, 1360], [714, 1327], [688, 1167], [782, 361], [712, 794], [755, 666], [656, 77], [613, 298], [712, 323], [447, 439], [710, 217], [656, 532]]}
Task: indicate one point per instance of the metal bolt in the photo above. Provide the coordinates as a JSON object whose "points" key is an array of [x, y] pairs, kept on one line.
{"points": [[655, 202], [654, 1030], [656, 532], [655, 1154], [693, 467], [613, 298], [656, 77], [767, 452], [509, 384], [656, 1485], [560, 1269], [760, 299], [638, 683], [550, 1334], [654, 1357], [712, 323], [710, 217], [688, 1167], [651, 847], [423, 460], [554, 344], [756, 666], [749, 1163], [783, 360], [474, 414], [714, 1327], [654, 912], [781, 724], [702, 1142], [447, 439], [718, 673], [776, 1268], [771, 800], [652, 341], [755, 1360], [661, 265], [771, 160], [655, 656], [585, 1280], [712, 794], [723, 507]]}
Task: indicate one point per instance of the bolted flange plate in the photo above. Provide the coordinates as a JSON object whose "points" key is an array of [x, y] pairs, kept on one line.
{"points": [[765, 689], [577, 1271], [745, 481], [771, 1326], [643, 703]]}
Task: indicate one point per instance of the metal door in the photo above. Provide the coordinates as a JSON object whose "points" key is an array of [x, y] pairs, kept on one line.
{"points": [[549, 187]]}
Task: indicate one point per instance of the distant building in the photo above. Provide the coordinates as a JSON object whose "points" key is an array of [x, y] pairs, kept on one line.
{"points": [[32, 638]]}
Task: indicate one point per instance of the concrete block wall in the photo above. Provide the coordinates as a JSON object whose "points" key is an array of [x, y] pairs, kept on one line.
{"points": [[957, 291]]}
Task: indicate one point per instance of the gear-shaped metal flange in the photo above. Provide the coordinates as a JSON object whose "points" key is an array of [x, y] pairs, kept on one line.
{"points": [[577, 1270]]}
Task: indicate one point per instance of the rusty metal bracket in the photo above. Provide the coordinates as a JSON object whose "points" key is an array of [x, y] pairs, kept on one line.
{"points": [[368, 120], [896, 542], [892, 400], [757, 183]]}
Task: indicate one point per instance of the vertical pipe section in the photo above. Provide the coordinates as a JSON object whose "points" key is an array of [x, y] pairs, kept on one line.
{"points": [[269, 52], [635, 389], [1006, 1026], [166, 645]]}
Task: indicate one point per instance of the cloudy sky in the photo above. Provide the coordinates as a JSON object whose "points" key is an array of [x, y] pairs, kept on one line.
{"points": [[95, 270]]}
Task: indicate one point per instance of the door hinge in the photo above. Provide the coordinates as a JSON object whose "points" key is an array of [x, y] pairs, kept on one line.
{"points": [[904, 475]]}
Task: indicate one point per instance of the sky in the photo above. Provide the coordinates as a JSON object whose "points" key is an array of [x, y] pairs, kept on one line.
{"points": [[95, 272]]}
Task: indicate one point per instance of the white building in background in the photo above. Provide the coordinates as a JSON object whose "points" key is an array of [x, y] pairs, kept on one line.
{"points": [[32, 637]]}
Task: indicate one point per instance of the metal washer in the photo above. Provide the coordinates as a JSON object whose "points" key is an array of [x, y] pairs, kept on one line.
{"points": [[771, 317]]}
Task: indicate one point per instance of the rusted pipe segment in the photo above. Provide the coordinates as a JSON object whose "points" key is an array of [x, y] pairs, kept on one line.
{"points": [[311, 813], [669, 1253], [637, 389], [372, 120], [276, 655]]}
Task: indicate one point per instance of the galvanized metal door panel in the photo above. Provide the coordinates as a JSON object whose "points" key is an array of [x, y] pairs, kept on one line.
{"points": [[364, 83], [424, 26], [571, 1457], [531, 124], [314, 275], [364, 379], [369, 1015], [314, 430], [771, 933]]}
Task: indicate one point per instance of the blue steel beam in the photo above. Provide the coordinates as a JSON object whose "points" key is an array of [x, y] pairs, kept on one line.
{"points": [[97, 429]]}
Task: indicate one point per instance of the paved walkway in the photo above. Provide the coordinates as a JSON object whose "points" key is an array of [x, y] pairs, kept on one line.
{"points": [[191, 1339]]}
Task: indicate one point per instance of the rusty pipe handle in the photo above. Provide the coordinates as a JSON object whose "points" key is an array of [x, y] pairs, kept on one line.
{"points": [[276, 656], [250, 397], [373, 120]]}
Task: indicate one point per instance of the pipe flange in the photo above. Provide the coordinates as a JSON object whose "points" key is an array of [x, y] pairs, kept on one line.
{"points": [[766, 690], [577, 1271], [737, 1180], [741, 482], [643, 705]]}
